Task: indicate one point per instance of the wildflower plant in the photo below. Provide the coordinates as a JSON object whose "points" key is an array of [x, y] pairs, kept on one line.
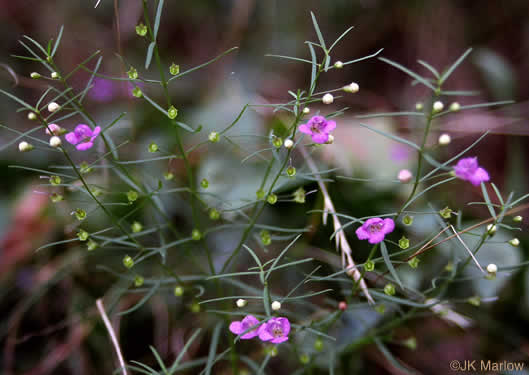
{"points": [[296, 299]]}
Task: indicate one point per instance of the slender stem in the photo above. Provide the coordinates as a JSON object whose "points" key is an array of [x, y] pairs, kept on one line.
{"points": [[112, 334]]}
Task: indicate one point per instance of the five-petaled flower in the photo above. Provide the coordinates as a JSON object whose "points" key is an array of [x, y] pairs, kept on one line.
{"points": [[83, 136], [275, 330], [318, 128], [248, 322], [375, 229], [468, 169]]}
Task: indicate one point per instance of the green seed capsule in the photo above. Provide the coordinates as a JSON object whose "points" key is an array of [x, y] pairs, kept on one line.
{"points": [[55, 180], [272, 198], [172, 112], [174, 69], [128, 262], [82, 235]]}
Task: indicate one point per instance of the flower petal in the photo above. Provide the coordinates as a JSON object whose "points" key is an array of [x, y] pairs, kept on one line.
{"points": [[362, 234], [320, 138], [329, 126], [264, 335], [279, 340], [72, 138], [389, 225], [479, 176], [304, 128], [376, 238], [96, 132], [285, 325], [236, 327], [84, 146]]}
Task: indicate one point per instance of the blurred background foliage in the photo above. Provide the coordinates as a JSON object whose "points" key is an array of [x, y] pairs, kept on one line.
{"points": [[50, 324]]}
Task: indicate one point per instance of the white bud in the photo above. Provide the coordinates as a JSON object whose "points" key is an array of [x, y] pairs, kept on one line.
{"points": [[24, 147], [327, 99], [444, 139], [330, 140], [54, 75], [438, 106], [338, 65], [241, 302], [276, 305], [55, 141], [351, 88], [288, 143], [491, 228], [455, 107], [35, 75], [419, 106], [32, 116], [517, 219], [52, 107], [306, 110], [405, 176], [492, 268], [515, 242]]}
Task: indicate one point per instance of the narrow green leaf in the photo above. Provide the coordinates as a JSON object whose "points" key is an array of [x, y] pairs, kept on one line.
{"points": [[391, 136], [392, 360], [213, 347], [487, 200], [57, 42], [157, 19], [430, 68], [175, 364], [318, 32], [450, 70], [420, 79], [389, 265], [150, 51], [340, 38]]}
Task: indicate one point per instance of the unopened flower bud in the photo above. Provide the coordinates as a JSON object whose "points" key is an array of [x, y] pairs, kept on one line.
{"points": [[213, 137], [342, 305], [241, 303], [32, 116], [178, 291], [338, 65], [419, 106], [438, 106], [517, 219], [327, 99], [454, 107], [288, 143], [35, 75], [318, 345], [136, 227], [515, 242], [351, 88], [52, 107], [492, 268], [491, 229], [444, 139], [330, 140], [54, 75], [196, 235], [55, 141], [24, 147], [306, 110], [276, 305], [405, 176]]}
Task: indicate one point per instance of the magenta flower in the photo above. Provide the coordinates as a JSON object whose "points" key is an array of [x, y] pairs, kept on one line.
{"points": [[374, 230], [248, 322], [318, 128], [275, 330], [83, 136], [468, 169]]}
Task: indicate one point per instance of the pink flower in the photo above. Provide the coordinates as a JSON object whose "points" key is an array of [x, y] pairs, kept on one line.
{"points": [[275, 330], [374, 230], [83, 136], [248, 322], [55, 129], [318, 128], [467, 169]]}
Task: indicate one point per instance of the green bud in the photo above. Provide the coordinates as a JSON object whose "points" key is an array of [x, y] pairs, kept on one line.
{"points": [[304, 359], [136, 92], [128, 262], [91, 245], [410, 343], [178, 291], [404, 243], [449, 267], [266, 239], [213, 137], [56, 197], [291, 171], [389, 289], [272, 351], [82, 235], [141, 29], [132, 73], [35, 75], [168, 176], [299, 195], [96, 191], [132, 196], [136, 227], [277, 142], [204, 183], [195, 307], [260, 194], [517, 219], [446, 213], [196, 235], [369, 266], [475, 301], [318, 345], [80, 214], [272, 198], [414, 262], [515, 242], [381, 309], [55, 180], [214, 214], [407, 220], [153, 147], [84, 168], [138, 281], [174, 69], [172, 112]]}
